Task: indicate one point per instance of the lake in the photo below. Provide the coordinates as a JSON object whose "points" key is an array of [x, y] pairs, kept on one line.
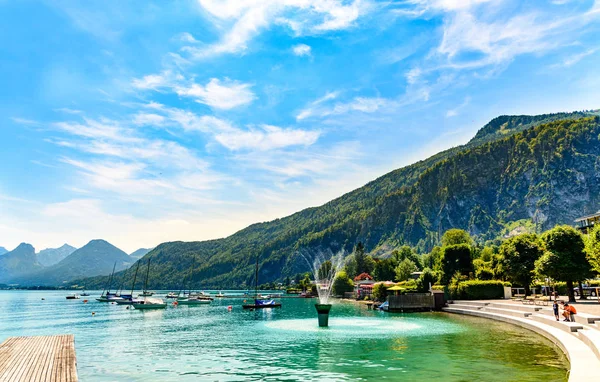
{"points": [[193, 343]]}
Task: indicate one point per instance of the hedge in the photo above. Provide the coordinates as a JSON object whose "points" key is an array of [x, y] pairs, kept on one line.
{"points": [[478, 289]]}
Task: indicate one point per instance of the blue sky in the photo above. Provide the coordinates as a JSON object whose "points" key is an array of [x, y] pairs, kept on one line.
{"points": [[145, 122]]}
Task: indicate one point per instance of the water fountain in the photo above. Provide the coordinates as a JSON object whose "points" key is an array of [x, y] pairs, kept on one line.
{"points": [[325, 272]]}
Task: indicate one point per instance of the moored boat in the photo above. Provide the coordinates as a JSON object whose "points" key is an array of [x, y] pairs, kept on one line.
{"points": [[150, 303], [258, 302], [73, 296]]}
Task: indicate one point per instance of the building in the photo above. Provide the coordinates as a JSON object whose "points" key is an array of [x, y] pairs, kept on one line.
{"points": [[363, 285], [585, 223]]}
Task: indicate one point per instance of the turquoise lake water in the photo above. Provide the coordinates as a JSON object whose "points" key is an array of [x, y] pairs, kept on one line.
{"points": [[208, 343]]}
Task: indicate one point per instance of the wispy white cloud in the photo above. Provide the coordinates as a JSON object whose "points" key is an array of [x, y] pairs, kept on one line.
{"points": [[575, 58], [24, 121], [266, 138], [226, 94], [455, 111], [243, 20], [322, 107], [301, 50], [165, 79], [263, 137], [148, 119], [67, 110]]}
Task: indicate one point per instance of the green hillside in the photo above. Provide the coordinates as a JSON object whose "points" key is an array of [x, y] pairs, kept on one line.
{"points": [[515, 168]]}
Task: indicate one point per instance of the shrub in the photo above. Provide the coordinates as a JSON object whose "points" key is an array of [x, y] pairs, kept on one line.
{"points": [[478, 289], [380, 292], [342, 284]]}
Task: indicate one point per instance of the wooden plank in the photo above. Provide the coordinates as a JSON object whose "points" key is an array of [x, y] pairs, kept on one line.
{"points": [[38, 359]]}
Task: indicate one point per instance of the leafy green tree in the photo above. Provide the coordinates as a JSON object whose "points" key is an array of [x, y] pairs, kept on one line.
{"points": [[384, 270], [364, 263], [456, 236], [564, 258], [426, 279], [456, 258], [305, 283], [406, 252], [324, 270], [350, 267], [342, 284], [404, 269], [483, 269], [592, 248], [520, 253], [487, 253], [379, 292]]}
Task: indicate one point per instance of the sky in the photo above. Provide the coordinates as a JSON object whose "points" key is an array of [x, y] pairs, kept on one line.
{"points": [[154, 121]]}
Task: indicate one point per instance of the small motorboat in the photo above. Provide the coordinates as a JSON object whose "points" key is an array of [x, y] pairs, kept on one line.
{"points": [[262, 304], [73, 296], [172, 295], [146, 293], [85, 294], [150, 303], [193, 301], [220, 295]]}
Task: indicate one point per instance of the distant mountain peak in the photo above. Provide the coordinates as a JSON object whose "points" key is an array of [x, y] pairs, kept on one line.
{"points": [[3, 251], [51, 256]]}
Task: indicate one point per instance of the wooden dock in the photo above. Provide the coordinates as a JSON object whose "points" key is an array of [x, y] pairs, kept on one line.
{"points": [[37, 359]]}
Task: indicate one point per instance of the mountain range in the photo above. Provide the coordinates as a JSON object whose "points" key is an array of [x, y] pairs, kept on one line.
{"points": [[530, 171], [138, 254], [93, 259], [51, 256], [17, 262]]}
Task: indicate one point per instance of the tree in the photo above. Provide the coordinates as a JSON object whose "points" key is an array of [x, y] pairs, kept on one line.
{"points": [[324, 271], [426, 279], [350, 267], [342, 284], [404, 269], [520, 253], [564, 258], [406, 252], [456, 258], [592, 248], [379, 292], [483, 269], [384, 270], [456, 236], [364, 263], [305, 282]]}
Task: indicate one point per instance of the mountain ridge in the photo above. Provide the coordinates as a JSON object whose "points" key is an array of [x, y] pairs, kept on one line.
{"points": [[411, 205], [93, 259], [50, 256]]}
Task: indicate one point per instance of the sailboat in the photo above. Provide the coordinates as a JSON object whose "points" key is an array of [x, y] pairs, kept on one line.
{"points": [[192, 299], [128, 299], [109, 297], [149, 302], [260, 303]]}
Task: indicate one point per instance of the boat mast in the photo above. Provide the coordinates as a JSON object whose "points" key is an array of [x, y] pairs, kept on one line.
{"points": [[191, 274], [135, 278], [256, 280], [147, 274], [111, 278]]}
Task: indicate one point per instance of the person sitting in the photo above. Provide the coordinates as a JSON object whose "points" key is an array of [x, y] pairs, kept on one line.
{"points": [[569, 312]]}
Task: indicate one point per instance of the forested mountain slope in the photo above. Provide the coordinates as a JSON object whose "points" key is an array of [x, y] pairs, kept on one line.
{"points": [[515, 168]]}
